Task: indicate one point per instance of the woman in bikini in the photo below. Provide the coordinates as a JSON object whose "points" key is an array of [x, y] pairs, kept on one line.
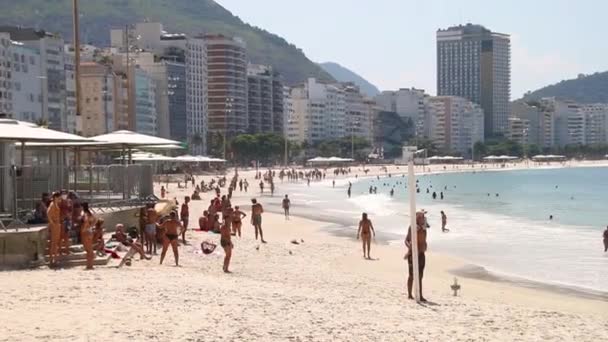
{"points": [[172, 228], [87, 233], [237, 222], [226, 243], [366, 228]]}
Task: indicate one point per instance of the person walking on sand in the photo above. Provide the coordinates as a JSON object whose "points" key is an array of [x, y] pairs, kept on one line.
{"points": [[444, 222], [185, 216], [262, 187], [366, 228], [171, 229], [286, 205], [54, 217], [226, 243], [256, 219], [348, 191], [422, 246], [606, 240]]}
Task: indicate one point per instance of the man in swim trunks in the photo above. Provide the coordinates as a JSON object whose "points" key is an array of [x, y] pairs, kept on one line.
{"points": [[256, 219], [237, 216], [366, 228], [422, 246], [172, 229], [286, 205], [150, 229], [226, 243], [185, 216], [55, 226]]}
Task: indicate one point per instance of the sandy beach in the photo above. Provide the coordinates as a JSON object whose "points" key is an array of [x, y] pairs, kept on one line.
{"points": [[319, 290]]}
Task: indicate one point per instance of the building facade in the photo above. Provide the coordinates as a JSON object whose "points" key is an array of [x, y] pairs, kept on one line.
{"points": [[265, 100], [456, 124], [475, 63], [52, 70], [97, 86], [27, 86], [360, 113], [185, 61], [145, 103], [227, 84], [410, 104], [319, 112]]}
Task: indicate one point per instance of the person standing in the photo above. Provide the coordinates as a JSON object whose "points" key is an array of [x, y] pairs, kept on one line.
{"points": [[261, 186], [171, 229], [163, 192], [54, 217], [150, 229], [286, 205], [87, 232], [366, 228], [226, 243], [237, 223], [606, 240], [444, 222], [422, 246], [256, 219], [185, 216]]}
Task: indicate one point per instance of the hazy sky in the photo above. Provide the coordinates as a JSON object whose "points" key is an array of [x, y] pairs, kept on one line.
{"points": [[392, 42]]}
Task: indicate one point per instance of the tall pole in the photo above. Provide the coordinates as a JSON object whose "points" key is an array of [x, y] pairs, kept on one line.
{"points": [[76, 20], [411, 150], [286, 152], [352, 141]]}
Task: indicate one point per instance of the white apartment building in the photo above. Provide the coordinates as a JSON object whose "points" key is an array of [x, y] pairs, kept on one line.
{"points": [[570, 123], [596, 123], [456, 123], [408, 104], [360, 113], [319, 112], [27, 85]]}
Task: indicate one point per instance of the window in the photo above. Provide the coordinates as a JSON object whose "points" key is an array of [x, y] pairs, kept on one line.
{"points": [[32, 60]]}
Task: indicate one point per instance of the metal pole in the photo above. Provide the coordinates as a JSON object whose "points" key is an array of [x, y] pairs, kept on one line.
{"points": [[76, 20], [352, 141], [413, 226], [286, 152]]}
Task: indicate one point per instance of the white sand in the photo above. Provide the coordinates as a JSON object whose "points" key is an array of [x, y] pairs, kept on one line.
{"points": [[320, 290]]}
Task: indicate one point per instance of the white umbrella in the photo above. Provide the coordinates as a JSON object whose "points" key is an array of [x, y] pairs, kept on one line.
{"points": [[128, 138], [14, 130]]}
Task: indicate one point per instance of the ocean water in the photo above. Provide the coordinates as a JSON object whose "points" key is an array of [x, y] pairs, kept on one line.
{"points": [[497, 220]]}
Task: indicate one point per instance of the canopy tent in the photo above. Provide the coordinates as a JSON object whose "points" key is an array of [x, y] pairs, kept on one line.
{"points": [[198, 159], [500, 158], [449, 159], [549, 157]]}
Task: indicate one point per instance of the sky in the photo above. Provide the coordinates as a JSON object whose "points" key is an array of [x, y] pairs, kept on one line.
{"points": [[391, 43]]}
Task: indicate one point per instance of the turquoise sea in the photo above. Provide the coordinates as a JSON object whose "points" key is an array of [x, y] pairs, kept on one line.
{"points": [[498, 220]]}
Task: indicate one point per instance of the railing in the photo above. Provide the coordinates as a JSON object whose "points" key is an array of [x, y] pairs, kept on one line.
{"points": [[100, 185]]}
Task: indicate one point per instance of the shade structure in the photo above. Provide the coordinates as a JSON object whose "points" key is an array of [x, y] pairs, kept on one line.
{"points": [[548, 157], [142, 156], [198, 159], [503, 157], [14, 130], [162, 147], [128, 138], [330, 160]]}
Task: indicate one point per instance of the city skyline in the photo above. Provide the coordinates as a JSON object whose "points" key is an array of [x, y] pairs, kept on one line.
{"points": [[543, 52]]}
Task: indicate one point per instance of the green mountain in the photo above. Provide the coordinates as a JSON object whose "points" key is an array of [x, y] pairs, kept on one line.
{"points": [[188, 16], [343, 74], [583, 89]]}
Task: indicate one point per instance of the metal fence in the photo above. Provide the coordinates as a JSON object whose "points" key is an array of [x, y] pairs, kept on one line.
{"points": [[100, 185]]}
